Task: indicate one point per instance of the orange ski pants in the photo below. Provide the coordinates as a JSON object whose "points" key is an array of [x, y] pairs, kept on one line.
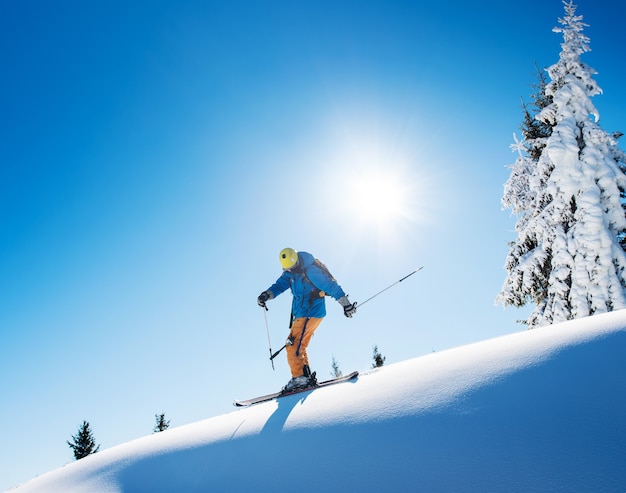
{"points": [[302, 329]]}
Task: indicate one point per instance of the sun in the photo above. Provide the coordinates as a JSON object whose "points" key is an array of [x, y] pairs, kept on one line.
{"points": [[375, 183], [378, 197]]}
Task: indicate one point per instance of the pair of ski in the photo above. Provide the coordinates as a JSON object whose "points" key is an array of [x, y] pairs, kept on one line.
{"points": [[277, 395]]}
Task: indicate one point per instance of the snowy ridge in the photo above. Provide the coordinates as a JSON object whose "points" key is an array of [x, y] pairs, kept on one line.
{"points": [[539, 410]]}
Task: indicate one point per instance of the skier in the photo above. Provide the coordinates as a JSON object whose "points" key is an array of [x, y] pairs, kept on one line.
{"points": [[310, 282]]}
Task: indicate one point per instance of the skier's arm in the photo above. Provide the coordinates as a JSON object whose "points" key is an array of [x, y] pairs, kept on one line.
{"points": [[330, 287], [324, 283], [281, 285]]}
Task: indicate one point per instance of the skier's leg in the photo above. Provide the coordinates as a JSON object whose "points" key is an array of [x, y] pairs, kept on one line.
{"points": [[302, 330], [311, 327]]}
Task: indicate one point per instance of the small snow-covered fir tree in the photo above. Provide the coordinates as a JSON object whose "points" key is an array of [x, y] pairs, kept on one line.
{"points": [[83, 443], [336, 373], [379, 359], [161, 424], [567, 188]]}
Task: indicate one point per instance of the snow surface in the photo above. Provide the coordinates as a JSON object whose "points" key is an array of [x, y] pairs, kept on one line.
{"points": [[539, 410]]}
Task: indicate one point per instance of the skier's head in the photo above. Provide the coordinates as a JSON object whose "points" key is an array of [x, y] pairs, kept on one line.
{"points": [[288, 258]]}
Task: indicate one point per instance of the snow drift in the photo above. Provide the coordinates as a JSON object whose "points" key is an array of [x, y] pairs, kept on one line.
{"points": [[539, 410]]}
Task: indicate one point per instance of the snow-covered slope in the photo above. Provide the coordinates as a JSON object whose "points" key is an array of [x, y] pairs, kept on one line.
{"points": [[540, 410]]}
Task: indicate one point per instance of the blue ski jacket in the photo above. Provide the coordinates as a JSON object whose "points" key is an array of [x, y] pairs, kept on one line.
{"points": [[308, 283]]}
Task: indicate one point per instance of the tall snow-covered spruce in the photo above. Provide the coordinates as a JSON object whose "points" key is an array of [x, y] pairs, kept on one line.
{"points": [[567, 188]]}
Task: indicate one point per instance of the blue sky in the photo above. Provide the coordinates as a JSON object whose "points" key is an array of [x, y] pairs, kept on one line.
{"points": [[156, 156]]}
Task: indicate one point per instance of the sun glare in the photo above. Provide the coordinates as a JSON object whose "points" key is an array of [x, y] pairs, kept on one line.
{"points": [[377, 186], [378, 198]]}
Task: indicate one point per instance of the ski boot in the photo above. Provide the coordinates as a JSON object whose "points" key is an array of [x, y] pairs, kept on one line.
{"points": [[302, 382], [311, 376], [296, 383]]}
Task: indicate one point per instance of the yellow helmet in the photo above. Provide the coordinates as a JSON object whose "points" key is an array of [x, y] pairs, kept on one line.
{"points": [[288, 258]]}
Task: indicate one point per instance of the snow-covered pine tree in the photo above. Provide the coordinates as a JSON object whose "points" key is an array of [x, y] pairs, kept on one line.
{"points": [[567, 188], [522, 195], [83, 443], [536, 131]]}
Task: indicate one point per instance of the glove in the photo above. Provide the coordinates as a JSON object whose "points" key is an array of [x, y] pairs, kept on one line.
{"points": [[263, 297], [349, 309]]}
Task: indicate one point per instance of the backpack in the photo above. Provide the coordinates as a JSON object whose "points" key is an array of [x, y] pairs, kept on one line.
{"points": [[318, 292]]}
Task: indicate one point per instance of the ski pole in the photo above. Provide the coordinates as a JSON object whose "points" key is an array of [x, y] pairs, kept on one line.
{"points": [[390, 286], [269, 342], [276, 354]]}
